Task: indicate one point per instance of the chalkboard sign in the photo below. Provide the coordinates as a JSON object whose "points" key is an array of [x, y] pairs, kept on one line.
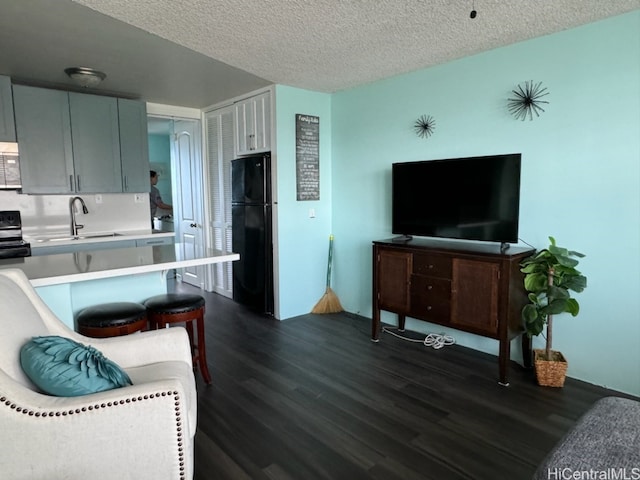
{"points": [[307, 157]]}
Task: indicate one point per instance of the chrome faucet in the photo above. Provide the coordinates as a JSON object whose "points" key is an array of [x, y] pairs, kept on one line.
{"points": [[72, 212]]}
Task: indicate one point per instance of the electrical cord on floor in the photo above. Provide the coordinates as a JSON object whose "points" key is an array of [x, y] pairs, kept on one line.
{"points": [[435, 340]]}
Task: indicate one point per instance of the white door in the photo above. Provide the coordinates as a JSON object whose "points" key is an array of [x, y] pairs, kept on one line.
{"points": [[220, 149], [188, 185]]}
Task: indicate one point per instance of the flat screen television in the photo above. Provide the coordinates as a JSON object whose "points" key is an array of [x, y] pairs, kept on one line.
{"points": [[473, 198]]}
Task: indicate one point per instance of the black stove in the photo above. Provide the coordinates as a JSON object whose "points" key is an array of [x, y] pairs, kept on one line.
{"points": [[11, 243]]}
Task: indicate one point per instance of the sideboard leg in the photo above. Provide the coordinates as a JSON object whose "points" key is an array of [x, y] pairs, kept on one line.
{"points": [[526, 352], [503, 360]]}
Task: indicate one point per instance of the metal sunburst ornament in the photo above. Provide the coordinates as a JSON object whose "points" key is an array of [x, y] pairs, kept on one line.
{"points": [[424, 126], [527, 100]]}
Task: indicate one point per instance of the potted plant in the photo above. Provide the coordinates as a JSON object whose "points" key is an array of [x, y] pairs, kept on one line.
{"points": [[549, 277]]}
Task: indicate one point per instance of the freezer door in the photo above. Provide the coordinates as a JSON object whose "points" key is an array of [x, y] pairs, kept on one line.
{"points": [[251, 180], [253, 272]]}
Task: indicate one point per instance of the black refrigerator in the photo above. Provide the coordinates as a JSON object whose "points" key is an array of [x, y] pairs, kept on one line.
{"points": [[252, 232]]}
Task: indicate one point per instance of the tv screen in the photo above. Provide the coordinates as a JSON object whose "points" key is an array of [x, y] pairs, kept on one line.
{"points": [[474, 198]]}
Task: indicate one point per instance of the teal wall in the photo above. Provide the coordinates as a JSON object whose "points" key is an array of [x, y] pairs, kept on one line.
{"points": [[580, 178], [301, 241]]}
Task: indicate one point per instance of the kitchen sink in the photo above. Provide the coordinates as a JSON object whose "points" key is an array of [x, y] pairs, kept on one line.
{"points": [[79, 237]]}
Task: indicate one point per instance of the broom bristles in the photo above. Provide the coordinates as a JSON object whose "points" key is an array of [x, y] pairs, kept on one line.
{"points": [[329, 303]]}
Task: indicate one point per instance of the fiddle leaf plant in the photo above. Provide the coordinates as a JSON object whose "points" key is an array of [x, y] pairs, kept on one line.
{"points": [[549, 277]]}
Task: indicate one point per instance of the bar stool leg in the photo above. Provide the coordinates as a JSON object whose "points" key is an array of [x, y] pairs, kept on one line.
{"points": [[202, 351]]}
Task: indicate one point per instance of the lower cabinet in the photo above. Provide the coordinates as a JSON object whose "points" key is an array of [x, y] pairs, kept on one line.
{"points": [[144, 242], [473, 288]]}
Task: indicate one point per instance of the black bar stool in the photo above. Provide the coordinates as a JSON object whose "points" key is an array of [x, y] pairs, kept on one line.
{"points": [[170, 308], [112, 319]]}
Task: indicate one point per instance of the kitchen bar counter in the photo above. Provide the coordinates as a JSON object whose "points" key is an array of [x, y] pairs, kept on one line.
{"points": [[69, 282], [95, 264]]}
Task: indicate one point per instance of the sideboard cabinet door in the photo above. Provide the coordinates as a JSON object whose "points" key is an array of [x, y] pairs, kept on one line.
{"points": [[134, 145]]}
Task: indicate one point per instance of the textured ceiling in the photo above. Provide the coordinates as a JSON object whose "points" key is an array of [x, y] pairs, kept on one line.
{"points": [[240, 45]]}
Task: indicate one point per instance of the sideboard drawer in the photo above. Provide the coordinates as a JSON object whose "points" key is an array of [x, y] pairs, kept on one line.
{"points": [[432, 265]]}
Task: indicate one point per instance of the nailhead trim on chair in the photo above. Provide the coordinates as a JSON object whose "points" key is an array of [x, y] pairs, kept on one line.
{"points": [[180, 440]]}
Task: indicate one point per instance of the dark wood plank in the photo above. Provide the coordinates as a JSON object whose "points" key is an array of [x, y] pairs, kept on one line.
{"points": [[313, 398]]}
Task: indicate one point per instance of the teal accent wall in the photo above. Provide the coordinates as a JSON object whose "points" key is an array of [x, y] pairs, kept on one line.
{"points": [[580, 179], [580, 175], [302, 242]]}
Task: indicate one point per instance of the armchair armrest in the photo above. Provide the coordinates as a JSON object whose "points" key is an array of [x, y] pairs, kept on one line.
{"points": [[107, 435]]}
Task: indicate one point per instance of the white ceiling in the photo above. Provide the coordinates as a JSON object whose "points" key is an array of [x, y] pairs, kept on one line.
{"points": [[196, 53]]}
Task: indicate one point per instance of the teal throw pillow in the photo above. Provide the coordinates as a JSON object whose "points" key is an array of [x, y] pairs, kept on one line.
{"points": [[65, 368]]}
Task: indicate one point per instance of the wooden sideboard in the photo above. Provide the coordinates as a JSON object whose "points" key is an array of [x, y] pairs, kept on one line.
{"points": [[474, 288]]}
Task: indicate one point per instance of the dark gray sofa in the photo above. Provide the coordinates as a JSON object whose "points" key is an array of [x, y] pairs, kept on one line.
{"points": [[604, 441]]}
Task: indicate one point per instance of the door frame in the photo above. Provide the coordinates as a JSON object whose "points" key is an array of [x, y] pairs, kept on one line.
{"points": [[174, 113]]}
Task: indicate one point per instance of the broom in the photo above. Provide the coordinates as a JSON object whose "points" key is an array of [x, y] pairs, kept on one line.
{"points": [[329, 303]]}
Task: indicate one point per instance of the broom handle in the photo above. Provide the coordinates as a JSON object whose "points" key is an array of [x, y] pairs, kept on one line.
{"points": [[330, 261]]}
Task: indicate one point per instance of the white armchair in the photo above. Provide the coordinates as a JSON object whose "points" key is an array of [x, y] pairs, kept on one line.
{"points": [[142, 431]]}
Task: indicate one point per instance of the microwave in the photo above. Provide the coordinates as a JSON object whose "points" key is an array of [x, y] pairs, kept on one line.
{"points": [[10, 171]]}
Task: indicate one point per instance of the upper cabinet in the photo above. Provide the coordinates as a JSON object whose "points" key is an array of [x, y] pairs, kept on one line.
{"points": [[7, 126], [43, 127], [96, 143], [134, 145], [253, 124], [80, 143]]}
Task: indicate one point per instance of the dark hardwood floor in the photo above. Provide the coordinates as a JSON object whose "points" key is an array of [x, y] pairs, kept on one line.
{"points": [[313, 398]]}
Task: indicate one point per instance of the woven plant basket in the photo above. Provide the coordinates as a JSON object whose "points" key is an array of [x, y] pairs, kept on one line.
{"points": [[550, 373]]}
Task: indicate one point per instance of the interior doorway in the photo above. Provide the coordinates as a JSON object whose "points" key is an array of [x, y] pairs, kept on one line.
{"points": [[178, 140]]}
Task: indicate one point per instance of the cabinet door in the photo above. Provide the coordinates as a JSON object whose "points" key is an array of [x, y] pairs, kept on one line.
{"points": [[96, 143], [474, 296], [393, 274], [44, 134], [134, 145], [262, 112], [253, 125], [7, 125]]}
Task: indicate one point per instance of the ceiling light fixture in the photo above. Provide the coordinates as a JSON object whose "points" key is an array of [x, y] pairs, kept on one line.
{"points": [[85, 77]]}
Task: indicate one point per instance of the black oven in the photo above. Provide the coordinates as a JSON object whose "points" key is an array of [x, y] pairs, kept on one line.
{"points": [[11, 243]]}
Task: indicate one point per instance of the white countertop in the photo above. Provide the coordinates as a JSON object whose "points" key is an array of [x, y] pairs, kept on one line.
{"points": [[94, 264]]}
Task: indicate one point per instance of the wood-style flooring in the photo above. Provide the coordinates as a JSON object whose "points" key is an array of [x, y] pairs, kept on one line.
{"points": [[313, 398]]}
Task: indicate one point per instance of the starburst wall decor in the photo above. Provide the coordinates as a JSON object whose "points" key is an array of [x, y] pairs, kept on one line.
{"points": [[527, 100], [424, 126]]}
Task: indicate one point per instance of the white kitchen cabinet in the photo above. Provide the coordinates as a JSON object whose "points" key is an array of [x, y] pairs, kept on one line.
{"points": [[96, 143], [7, 125], [253, 125], [43, 128], [134, 145]]}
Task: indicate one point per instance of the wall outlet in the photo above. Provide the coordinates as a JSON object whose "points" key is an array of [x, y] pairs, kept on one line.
{"points": [[312, 213], [138, 198], [98, 198]]}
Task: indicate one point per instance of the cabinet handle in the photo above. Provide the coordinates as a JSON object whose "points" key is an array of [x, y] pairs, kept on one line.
{"points": [[78, 182], [126, 183], [429, 287], [430, 267], [71, 183], [428, 307]]}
